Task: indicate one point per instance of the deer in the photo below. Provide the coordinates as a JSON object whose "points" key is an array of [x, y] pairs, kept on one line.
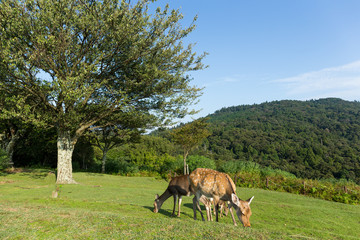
{"points": [[222, 208], [179, 186], [209, 202], [219, 186]]}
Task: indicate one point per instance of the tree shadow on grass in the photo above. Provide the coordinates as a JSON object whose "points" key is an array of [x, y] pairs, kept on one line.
{"points": [[94, 174], [28, 172]]}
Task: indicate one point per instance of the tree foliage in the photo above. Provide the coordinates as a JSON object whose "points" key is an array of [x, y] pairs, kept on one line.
{"points": [[128, 131], [190, 135], [74, 65]]}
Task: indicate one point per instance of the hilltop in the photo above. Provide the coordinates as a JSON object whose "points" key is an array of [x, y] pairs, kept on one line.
{"points": [[311, 139]]}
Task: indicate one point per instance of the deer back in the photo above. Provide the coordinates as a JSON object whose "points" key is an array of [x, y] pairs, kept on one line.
{"points": [[180, 185], [212, 183]]}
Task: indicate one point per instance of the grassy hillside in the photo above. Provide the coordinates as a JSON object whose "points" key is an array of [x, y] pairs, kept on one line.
{"points": [[114, 207], [311, 139]]}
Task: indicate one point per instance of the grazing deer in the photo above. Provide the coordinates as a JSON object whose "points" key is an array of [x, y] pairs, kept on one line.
{"points": [[222, 208], [219, 186], [179, 186]]}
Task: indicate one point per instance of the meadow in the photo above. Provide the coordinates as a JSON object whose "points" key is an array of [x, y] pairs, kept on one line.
{"points": [[104, 206]]}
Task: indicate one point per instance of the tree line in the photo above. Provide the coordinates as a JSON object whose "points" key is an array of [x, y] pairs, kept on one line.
{"points": [[312, 139]]}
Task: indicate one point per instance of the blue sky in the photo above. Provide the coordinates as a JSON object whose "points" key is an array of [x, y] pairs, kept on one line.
{"points": [[266, 50]]}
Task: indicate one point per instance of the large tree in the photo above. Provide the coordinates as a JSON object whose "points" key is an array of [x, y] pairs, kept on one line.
{"points": [[78, 63]]}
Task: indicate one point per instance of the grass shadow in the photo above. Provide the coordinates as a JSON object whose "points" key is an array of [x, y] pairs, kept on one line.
{"points": [[190, 205], [161, 211], [28, 172], [3, 173], [94, 174], [169, 213]]}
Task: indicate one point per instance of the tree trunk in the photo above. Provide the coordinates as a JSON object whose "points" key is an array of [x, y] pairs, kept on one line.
{"points": [[104, 160], [11, 145], [185, 156], [65, 149]]}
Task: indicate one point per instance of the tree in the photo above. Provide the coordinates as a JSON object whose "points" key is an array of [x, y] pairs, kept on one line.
{"points": [[190, 135], [109, 137], [11, 126], [76, 64], [8, 139], [84, 154]]}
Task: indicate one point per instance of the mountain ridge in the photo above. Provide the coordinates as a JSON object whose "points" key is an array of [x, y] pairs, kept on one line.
{"points": [[311, 139]]}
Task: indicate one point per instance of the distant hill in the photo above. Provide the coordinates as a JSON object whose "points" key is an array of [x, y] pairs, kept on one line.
{"points": [[311, 139]]}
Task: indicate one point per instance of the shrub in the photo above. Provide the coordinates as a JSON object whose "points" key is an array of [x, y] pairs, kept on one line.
{"points": [[173, 164], [196, 161], [120, 166], [4, 159]]}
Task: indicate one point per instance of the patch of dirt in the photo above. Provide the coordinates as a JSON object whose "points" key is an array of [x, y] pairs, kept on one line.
{"points": [[17, 170], [5, 182], [64, 215], [10, 209]]}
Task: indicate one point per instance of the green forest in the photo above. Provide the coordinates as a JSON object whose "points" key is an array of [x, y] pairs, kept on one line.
{"points": [[272, 145], [311, 139]]}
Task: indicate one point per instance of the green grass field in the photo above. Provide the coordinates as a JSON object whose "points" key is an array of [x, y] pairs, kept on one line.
{"points": [[115, 207]]}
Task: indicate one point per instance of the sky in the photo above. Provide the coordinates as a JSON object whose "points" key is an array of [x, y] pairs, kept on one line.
{"points": [[267, 50]]}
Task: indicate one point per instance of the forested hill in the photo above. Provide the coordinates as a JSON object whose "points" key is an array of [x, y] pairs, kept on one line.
{"points": [[311, 139]]}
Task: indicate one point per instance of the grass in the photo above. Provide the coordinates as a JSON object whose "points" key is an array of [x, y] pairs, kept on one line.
{"points": [[114, 207]]}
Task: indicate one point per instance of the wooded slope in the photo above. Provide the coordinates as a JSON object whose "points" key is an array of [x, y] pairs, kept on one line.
{"points": [[311, 139]]}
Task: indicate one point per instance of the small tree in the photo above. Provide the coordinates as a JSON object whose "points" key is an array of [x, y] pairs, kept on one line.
{"points": [[8, 138], [114, 135], [77, 64], [190, 135]]}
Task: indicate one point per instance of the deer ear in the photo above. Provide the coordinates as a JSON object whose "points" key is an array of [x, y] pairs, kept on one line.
{"points": [[235, 199], [156, 196], [250, 199]]}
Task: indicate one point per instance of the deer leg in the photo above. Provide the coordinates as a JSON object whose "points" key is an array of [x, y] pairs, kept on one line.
{"points": [[175, 200], [194, 207], [210, 212], [207, 203], [221, 208], [180, 199], [232, 215], [217, 211], [213, 203], [226, 209], [197, 205]]}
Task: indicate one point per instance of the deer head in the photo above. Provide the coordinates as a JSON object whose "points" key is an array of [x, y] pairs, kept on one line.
{"points": [[242, 208], [157, 204]]}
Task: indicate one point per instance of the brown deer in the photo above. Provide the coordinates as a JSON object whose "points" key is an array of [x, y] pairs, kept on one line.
{"points": [[179, 186], [223, 209], [219, 186]]}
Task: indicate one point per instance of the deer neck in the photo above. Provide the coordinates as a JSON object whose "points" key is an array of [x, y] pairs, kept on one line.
{"points": [[163, 198]]}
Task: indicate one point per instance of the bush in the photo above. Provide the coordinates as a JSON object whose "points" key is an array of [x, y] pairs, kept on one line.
{"points": [[200, 162], [121, 166], [4, 159], [276, 180], [173, 164]]}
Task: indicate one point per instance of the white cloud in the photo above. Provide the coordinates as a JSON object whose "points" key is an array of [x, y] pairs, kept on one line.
{"points": [[342, 81]]}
